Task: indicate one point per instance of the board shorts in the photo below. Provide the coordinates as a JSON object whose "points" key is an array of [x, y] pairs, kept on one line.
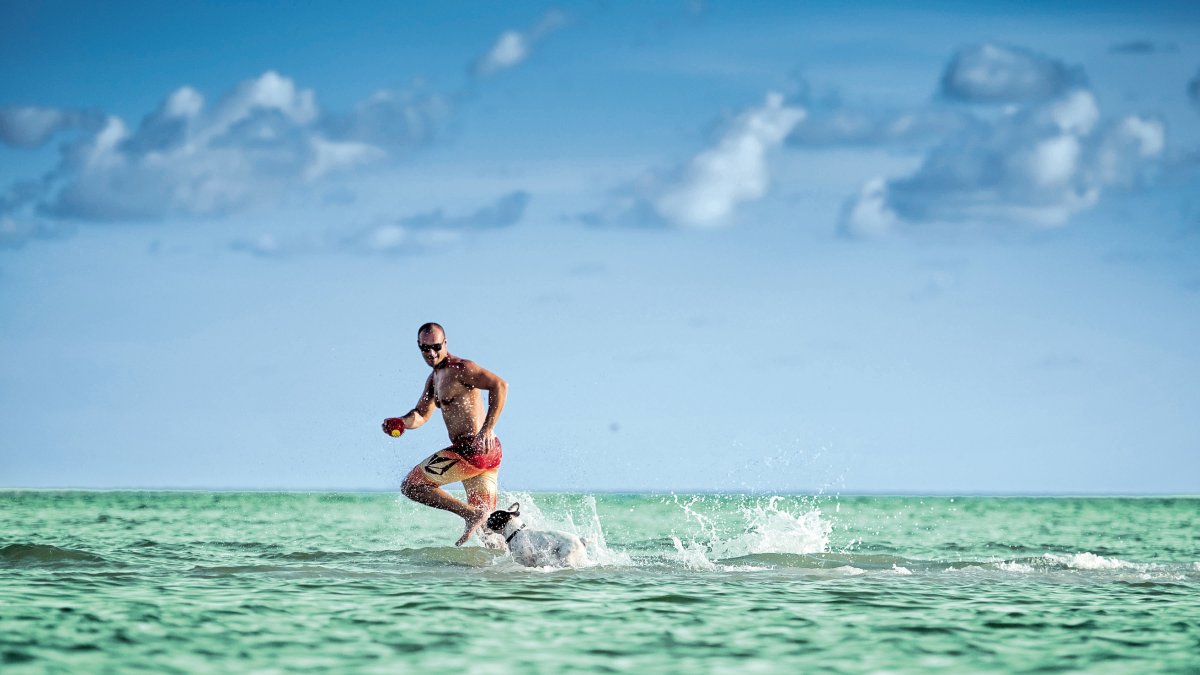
{"points": [[477, 471]]}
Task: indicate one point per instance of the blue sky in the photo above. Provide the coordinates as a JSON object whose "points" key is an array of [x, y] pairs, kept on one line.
{"points": [[751, 246]]}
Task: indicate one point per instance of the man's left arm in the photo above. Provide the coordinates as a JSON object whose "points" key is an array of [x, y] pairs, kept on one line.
{"points": [[475, 375]]}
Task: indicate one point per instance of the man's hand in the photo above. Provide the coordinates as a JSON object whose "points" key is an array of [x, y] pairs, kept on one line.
{"points": [[485, 439], [393, 426]]}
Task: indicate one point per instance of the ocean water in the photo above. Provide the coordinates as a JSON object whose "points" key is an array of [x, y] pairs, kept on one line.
{"points": [[367, 582]]}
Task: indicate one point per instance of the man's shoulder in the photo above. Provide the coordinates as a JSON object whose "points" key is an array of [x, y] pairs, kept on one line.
{"points": [[458, 364]]}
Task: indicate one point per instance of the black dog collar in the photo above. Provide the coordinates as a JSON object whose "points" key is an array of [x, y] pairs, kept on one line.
{"points": [[509, 537]]}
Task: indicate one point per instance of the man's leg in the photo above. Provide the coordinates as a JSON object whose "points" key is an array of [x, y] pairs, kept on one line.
{"points": [[424, 486], [481, 489], [482, 493]]}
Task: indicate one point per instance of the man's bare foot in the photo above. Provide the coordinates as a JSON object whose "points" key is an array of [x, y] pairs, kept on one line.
{"points": [[472, 525]]}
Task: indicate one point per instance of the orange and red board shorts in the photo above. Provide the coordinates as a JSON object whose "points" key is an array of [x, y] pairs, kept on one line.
{"points": [[468, 463]]}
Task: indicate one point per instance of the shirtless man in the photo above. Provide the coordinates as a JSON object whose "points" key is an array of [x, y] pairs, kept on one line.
{"points": [[474, 453]]}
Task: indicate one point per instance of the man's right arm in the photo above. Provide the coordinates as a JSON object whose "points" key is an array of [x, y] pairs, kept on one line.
{"points": [[421, 413]]}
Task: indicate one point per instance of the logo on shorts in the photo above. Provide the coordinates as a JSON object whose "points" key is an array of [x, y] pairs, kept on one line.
{"points": [[439, 465]]}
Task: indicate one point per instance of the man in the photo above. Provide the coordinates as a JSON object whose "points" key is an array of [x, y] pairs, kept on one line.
{"points": [[455, 386]]}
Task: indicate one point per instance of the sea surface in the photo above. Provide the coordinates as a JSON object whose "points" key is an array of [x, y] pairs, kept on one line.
{"points": [[165, 582]]}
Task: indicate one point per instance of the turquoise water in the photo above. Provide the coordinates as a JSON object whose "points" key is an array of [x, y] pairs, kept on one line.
{"points": [[196, 581]]}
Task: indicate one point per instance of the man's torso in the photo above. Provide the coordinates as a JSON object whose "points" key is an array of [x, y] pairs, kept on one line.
{"points": [[462, 405]]}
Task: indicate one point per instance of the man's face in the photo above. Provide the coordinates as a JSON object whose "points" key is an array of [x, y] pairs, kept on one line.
{"points": [[433, 346]]}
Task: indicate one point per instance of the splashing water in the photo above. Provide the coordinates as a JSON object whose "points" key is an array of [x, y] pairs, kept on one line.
{"points": [[576, 516], [759, 528]]}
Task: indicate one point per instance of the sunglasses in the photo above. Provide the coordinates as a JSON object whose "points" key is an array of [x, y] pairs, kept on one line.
{"points": [[431, 348]]}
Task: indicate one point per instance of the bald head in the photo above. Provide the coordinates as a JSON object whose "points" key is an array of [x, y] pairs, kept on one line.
{"points": [[431, 330]]}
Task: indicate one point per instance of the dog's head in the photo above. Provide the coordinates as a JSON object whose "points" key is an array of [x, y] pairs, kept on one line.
{"points": [[501, 519]]}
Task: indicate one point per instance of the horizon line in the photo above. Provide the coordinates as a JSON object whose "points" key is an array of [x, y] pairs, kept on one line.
{"points": [[626, 491]]}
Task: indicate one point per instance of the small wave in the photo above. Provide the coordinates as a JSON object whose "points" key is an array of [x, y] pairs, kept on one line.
{"points": [[1086, 562], [827, 561], [292, 571], [46, 555], [1091, 561], [433, 555]]}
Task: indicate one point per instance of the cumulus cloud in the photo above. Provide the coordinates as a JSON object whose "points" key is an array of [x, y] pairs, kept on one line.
{"points": [[32, 126], [705, 191], [420, 232], [436, 229], [394, 120], [513, 47], [1043, 156], [831, 122], [505, 212], [1038, 165], [848, 126], [191, 158], [991, 73]]}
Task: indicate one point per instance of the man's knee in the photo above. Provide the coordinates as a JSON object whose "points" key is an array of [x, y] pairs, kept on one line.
{"points": [[414, 483], [482, 500]]}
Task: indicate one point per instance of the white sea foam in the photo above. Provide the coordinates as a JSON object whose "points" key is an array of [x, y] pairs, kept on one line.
{"points": [[902, 571], [1014, 566], [849, 570], [770, 529], [692, 555], [1091, 561], [765, 528]]}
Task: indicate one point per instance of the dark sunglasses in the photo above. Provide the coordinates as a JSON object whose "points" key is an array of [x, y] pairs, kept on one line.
{"points": [[431, 348]]}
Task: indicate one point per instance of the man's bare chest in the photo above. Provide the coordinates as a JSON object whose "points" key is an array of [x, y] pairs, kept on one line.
{"points": [[447, 390]]}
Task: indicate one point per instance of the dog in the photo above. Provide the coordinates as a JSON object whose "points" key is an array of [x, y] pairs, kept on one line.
{"points": [[536, 548]]}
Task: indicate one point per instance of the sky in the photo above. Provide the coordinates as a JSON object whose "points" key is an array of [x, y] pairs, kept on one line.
{"points": [[755, 247]]}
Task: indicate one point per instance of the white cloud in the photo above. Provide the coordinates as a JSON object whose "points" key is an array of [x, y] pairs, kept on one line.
{"points": [[510, 49], [395, 120], [32, 126], [868, 215], [1076, 112], [504, 212], [435, 229], [991, 73], [734, 171], [513, 47], [189, 158], [410, 234], [1037, 166], [831, 121], [705, 191], [843, 126], [1043, 156], [331, 156]]}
